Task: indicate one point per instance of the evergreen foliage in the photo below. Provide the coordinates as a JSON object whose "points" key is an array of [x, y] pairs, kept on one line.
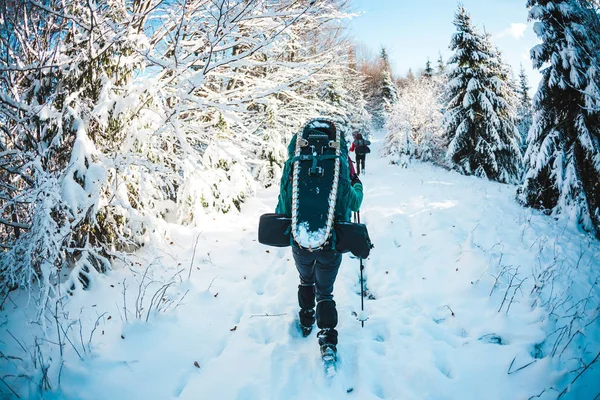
{"points": [[563, 154], [479, 118], [524, 108], [388, 92], [428, 71], [441, 65]]}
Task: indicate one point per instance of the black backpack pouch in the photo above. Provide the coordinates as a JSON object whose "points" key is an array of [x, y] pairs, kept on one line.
{"points": [[353, 238], [274, 230]]}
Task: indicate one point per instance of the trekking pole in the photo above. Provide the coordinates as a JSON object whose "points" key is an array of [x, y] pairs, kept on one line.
{"points": [[362, 291]]}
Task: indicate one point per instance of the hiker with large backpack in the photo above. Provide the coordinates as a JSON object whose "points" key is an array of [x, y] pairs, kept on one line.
{"points": [[316, 199], [360, 146]]}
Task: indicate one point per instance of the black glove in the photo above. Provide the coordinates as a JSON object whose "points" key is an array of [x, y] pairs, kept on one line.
{"points": [[354, 180]]}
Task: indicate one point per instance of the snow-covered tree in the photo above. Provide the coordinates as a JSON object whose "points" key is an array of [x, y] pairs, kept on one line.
{"points": [[389, 91], [479, 120], [387, 96], [65, 122], [381, 90], [253, 72], [441, 65], [504, 83], [563, 154], [355, 102], [428, 71], [414, 124], [126, 113], [524, 111], [384, 58]]}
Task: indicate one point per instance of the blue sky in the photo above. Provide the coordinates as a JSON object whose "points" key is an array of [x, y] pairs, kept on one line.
{"points": [[415, 30]]}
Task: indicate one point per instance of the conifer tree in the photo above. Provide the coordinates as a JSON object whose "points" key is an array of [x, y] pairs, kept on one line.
{"points": [[387, 92], [441, 65], [523, 89], [524, 116], [479, 120], [428, 71], [563, 153], [384, 58], [503, 82]]}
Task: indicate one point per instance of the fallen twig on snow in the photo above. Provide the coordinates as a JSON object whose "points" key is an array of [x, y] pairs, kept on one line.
{"points": [[267, 315]]}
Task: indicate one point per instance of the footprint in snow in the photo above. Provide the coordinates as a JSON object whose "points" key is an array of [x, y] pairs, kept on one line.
{"points": [[441, 363], [492, 338], [378, 346], [378, 391], [184, 379], [248, 392], [261, 330]]}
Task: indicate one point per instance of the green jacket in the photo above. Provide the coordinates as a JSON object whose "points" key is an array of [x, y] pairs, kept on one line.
{"points": [[349, 197]]}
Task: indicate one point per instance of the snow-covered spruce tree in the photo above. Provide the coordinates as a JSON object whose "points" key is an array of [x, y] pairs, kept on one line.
{"points": [[440, 77], [388, 96], [384, 90], [428, 71], [524, 110], [504, 85], [479, 120], [414, 124], [563, 154], [441, 66]]}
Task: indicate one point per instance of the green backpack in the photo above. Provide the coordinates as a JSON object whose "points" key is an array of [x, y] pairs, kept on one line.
{"points": [[316, 175], [313, 210], [342, 209]]}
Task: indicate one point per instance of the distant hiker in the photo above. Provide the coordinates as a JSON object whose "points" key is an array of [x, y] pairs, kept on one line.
{"points": [[317, 176], [361, 148]]}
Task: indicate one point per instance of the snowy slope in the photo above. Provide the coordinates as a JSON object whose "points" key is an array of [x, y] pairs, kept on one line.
{"points": [[443, 241]]}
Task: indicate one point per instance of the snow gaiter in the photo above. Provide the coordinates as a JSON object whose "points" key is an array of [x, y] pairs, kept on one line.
{"points": [[306, 301], [327, 319]]}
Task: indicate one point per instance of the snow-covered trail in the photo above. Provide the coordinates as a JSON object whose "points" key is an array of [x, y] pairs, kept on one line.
{"points": [[434, 331]]}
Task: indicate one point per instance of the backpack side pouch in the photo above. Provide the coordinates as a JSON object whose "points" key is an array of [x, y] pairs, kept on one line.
{"points": [[354, 238], [274, 230]]}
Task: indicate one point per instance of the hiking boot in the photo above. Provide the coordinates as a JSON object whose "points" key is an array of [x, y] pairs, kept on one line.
{"points": [[307, 320], [306, 330], [328, 336], [329, 352]]}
